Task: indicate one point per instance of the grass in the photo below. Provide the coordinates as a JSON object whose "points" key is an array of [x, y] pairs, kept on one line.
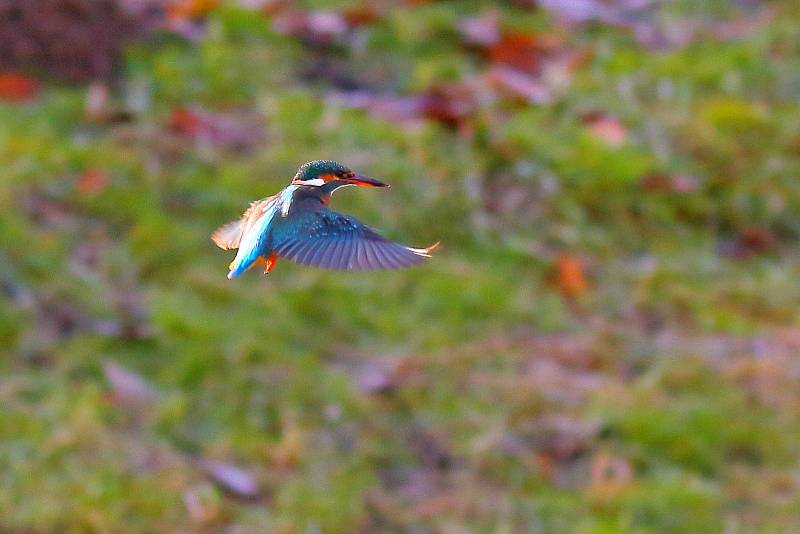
{"points": [[663, 398]]}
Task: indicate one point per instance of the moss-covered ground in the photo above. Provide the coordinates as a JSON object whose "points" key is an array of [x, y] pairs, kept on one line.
{"points": [[607, 341]]}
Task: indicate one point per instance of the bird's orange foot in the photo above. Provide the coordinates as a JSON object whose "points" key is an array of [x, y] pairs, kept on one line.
{"points": [[270, 263]]}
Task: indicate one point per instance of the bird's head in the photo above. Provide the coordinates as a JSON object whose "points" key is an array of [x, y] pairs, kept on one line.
{"points": [[320, 173]]}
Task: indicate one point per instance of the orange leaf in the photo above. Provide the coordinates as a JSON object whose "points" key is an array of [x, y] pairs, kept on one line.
{"points": [[91, 181], [17, 87], [517, 50], [571, 280], [190, 9]]}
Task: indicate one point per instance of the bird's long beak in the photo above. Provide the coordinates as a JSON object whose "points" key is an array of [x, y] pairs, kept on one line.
{"points": [[365, 181]]}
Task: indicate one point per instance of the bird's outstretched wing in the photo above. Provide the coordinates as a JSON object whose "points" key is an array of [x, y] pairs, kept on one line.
{"points": [[330, 240]]}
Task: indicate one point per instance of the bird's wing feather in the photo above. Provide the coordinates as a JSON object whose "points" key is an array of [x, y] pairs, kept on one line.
{"points": [[228, 236], [330, 240]]}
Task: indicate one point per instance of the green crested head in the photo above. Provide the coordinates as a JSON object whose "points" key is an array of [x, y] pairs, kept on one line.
{"points": [[321, 169], [331, 175]]}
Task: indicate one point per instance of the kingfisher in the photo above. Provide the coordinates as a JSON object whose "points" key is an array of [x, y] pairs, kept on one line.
{"points": [[296, 224]]}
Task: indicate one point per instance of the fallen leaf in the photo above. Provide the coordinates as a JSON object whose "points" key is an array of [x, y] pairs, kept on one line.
{"points": [[617, 12], [190, 9], [231, 478], [448, 103], [560, 437], [387, 107], [17, 87], [96, 99], [386, 375], [570, 278], [91, 181], [610, 474], [431, 450], [606, 128], [127, 386], [482, 31], [518, 50], [518, 85], [286, 453], [669, 184], [545, 465], [749, 242], [320, 27], [203, 503], [361, 15], [224, 130]]}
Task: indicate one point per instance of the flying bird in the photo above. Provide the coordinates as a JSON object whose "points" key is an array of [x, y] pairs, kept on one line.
{"points": [[296, 224]]}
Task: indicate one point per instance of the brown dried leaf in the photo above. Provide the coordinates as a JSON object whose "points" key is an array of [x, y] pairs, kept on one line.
{"points": [[449, 103], [518, 85], [217, 129], [669, 184], [749, 242], [361, 15], [561, 437]]}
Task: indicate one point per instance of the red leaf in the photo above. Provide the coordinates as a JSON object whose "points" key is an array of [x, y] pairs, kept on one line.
{"points": [[184, 121], [570, 278], [91, 181], [17, 87], [518, 50]]}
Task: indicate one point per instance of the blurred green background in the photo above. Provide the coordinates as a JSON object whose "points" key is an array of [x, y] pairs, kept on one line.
{"points": [[607, 341]]}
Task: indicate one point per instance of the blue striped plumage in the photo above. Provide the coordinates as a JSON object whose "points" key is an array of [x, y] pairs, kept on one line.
{"points": [[319, 237]]}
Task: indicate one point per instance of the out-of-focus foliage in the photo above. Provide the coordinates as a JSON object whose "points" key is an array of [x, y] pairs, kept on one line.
{"points": [[607, 341]]}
